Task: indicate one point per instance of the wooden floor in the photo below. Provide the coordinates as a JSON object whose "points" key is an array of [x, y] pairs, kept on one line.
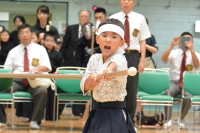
{"points": [[72, 124]]}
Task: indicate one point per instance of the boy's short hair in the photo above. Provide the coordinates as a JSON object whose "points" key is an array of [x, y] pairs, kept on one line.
{"points": [[23, 26], [36, 33], [187, 33], [21, 18], [4, 30], [112, 21], [49, 34], [100, 10]]}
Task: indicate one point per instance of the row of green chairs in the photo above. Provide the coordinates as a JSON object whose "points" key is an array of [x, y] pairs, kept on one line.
{"points": [[70, 87]]}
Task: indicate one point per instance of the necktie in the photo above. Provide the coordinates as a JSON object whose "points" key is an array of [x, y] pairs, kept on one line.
{"points": [[183, 67], [127, 33], [26, 65], [80, 34]]}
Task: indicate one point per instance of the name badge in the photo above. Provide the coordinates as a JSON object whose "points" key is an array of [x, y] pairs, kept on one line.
{"points": [[189, 67], [135, 32], [35, 62]]}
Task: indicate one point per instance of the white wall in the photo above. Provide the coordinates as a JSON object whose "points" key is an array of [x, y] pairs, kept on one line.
{"points": [[58, 11], [165, 22]]}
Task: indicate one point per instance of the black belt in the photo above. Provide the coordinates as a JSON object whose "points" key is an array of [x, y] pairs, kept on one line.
{"points": [[131, 51], [110, 105]]}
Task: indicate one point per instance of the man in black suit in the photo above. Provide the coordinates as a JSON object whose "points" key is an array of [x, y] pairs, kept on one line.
{"points": [[73, 32]]}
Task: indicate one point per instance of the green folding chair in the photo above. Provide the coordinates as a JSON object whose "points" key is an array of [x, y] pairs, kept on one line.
{"points": [[22, 96], [71, 87], [7, 98], [154, 82], [191, 84]]}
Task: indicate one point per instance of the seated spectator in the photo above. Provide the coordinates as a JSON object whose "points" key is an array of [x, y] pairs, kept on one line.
{"points": [[28, 57], [180, 60]]}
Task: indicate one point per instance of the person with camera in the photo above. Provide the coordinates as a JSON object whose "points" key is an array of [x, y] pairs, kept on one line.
{"points": [[182, 59]]}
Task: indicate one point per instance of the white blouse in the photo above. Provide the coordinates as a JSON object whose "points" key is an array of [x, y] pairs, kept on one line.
{"points": [[106, 91]]}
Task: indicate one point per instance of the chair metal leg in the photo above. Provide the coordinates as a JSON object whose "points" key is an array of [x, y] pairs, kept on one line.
{"points": [[54, 107], [140, 117], [13, 115], [180, 112], [170, 127], [57, 111]]}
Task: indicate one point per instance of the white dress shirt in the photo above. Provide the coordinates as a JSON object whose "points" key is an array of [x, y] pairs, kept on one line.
{"points": [[37, 53], [136, 22], [79, 31], [175, 60], [114, 90]]}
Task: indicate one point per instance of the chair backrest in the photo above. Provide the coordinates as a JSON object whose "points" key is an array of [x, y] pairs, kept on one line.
{"points": [[154, 81], [191, 83], [5, 83], [69, 85]]}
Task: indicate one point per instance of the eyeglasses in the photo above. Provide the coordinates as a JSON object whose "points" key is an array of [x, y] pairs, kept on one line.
{"points": [[83, 16]]}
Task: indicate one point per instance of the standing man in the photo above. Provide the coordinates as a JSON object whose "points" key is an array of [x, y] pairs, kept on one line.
{"points": [[136, 32], [28, 57], [100, 14], [73, 32]]}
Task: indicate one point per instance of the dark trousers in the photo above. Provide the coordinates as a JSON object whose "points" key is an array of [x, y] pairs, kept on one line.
{"points": [[2, 114], [132, 84], [39, 95]]}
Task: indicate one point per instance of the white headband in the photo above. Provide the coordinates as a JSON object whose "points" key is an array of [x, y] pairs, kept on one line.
{"points": [[112, 28]]}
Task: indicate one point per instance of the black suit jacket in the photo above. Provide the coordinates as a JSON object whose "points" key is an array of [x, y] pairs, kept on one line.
{"points": [[69, 45]]}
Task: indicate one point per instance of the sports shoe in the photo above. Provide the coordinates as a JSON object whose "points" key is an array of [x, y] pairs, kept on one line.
{"points": [[34, 125], [169, 123], [181, 123], [135, 129], [3, 124]]}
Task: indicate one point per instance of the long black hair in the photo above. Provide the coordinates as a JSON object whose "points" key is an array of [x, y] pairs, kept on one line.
{"points": [[43, 9]]}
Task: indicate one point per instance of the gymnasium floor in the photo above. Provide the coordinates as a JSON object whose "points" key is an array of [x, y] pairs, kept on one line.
{"points": [[72, 124]]}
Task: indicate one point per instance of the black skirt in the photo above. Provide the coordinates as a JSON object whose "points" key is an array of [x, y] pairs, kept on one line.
{"points": [[109, 118]]}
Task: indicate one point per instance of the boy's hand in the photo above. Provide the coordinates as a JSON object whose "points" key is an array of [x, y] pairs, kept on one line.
{"points": [[92, 79], [104, 74]]}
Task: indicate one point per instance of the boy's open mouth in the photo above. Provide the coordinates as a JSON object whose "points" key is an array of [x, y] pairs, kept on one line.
{"points": [[107, 47]]}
